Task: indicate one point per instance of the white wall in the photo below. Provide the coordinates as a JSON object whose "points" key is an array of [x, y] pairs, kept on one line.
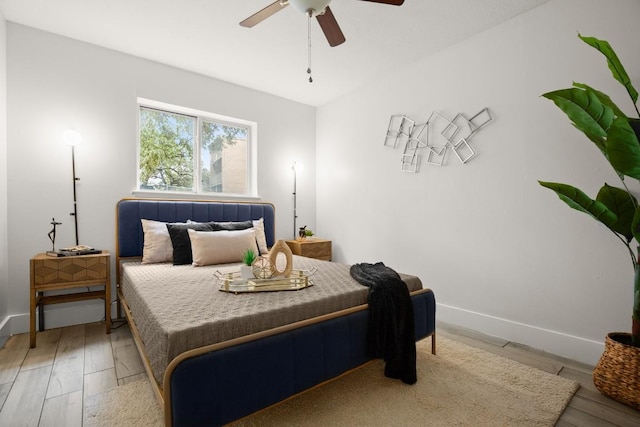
{"points": [[4, 269], [55, 83], [503, 255]]}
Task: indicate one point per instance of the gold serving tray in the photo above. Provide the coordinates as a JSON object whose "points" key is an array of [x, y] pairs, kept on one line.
{"points": [[233, 282]]}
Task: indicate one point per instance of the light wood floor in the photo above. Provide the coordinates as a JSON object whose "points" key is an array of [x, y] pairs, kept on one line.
{"points": [[48, 385]]}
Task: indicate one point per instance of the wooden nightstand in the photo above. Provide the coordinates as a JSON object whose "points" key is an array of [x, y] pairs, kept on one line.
{"points": [[311, 248], [56, 273]]}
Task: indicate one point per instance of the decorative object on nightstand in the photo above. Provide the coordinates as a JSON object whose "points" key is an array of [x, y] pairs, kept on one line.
{"points": [[52, 237], [60, 273], [311, 248], [77, 250], [304, 232]]}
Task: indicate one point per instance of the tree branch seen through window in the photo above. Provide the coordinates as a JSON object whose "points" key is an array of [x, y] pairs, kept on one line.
{"points": [[185, 153]]}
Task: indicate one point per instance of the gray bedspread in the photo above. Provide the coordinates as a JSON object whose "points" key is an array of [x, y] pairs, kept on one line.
{"points": [[180, 307]]}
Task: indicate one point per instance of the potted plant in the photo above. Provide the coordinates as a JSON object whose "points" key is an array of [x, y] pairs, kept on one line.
{"points": [[246, 269], [304, 232], [616, 136]]}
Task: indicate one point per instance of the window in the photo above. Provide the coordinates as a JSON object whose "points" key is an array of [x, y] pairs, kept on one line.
{"points": [[189, 151]]}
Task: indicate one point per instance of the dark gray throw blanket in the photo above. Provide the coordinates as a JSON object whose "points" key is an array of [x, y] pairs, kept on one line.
{"points": [[391, 330]]}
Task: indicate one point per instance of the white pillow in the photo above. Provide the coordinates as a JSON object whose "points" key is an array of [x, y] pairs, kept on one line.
{"points": [[221, 247], [157, 245], [258, 226], [261, 239]]}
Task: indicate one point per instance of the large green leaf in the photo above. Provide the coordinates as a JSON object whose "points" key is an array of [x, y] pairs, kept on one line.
{"points": [[603, 97], [635, 225], [621, 203], [623, 148], [578, 200], [586, 111], [618, 71]]}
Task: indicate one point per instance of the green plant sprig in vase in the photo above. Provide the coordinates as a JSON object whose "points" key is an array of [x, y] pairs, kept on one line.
{"points": [[248, 257], [246, 269]]}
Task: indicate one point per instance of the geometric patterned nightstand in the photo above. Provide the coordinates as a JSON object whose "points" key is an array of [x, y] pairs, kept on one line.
{"points": [[57, 273], [311, 248]]}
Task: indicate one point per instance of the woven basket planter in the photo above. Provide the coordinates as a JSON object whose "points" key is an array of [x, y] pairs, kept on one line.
{"points": [[617, 374]]}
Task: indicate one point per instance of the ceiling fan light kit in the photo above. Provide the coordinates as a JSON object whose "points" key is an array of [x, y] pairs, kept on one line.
{"points": [[312, 8]]}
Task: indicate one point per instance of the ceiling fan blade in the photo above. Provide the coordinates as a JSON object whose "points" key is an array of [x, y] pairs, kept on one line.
{"points": [[260, 16], [330, 28], [392, 2]]}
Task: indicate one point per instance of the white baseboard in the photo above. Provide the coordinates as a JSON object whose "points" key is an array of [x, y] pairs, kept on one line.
{"points": [[558, 343], [5, 330], [61, 315]]}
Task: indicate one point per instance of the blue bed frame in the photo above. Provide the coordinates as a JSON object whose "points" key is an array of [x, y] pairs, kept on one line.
{"points": [[220, 383]]}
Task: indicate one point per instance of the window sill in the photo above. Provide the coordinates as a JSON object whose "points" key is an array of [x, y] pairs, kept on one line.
{"points": [[190, 196]]}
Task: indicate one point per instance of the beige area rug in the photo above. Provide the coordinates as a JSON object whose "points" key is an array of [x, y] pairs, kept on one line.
{"points": [[460, 386], [131, 405]]}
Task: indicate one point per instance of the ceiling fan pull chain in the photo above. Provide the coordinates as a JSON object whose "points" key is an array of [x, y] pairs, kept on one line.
{"points": [[309, 13]]}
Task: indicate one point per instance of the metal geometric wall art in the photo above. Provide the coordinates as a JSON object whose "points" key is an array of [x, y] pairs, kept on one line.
{"points": [[399, 129], [436, 135], [410, 155]]}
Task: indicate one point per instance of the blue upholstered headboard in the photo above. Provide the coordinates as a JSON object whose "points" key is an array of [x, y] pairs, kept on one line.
{"points": [[129, 212]]}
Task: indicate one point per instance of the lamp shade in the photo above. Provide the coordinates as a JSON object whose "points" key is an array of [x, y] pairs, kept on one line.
{"points": [[72, 137]]}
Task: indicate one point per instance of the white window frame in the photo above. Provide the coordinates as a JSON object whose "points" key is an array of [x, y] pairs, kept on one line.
{"points": [[252, 158]]}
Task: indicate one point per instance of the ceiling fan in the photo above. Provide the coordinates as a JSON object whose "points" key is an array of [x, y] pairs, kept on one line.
{"points": [[318, 8]]}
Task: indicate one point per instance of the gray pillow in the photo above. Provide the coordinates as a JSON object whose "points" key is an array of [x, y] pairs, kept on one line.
{"points": [[231, 226]]}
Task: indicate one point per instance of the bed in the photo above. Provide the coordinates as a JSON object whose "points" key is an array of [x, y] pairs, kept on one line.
{"points": [[225, 367]]}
